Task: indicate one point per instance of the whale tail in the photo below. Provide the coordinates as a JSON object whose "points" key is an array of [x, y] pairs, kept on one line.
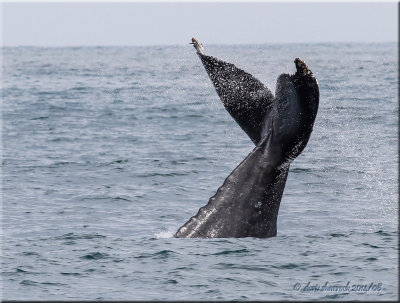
{"points": [[247, 203]]}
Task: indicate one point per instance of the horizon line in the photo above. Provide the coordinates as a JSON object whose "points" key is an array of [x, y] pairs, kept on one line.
{"points": [[208, 44]]}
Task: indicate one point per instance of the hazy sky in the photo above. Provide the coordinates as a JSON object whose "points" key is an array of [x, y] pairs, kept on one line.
{"points": [[60, 24]]}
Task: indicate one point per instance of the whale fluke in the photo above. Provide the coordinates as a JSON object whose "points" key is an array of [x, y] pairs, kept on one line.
{"points": [[243, 95], [247, 203]]}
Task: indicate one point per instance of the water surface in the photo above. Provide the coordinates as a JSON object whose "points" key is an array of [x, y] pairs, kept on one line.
{"points": [[108, 150]]}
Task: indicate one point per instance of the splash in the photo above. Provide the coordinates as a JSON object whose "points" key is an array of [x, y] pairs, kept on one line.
{"points": [[165, 233]]}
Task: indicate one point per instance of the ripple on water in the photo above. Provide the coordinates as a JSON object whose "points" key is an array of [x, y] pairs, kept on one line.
{"points": [[370, 245], [383, 233], [336, 235], [95, 256], [287, 266], [71, 273], [75, 236], [20, 270], [29, 283], [31, 253], [163, 254], [232, 252]]}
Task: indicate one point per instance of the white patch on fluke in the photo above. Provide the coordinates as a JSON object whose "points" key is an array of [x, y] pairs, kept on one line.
{"points": [[198, 46]]}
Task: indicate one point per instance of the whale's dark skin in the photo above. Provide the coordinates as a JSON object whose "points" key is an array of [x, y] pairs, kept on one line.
{"points": [[247, 203]]}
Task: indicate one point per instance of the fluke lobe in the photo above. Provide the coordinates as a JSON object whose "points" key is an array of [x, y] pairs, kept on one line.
{"points": [[247, 203]]}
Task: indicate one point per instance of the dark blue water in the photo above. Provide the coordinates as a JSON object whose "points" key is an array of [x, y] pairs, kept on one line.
{"points": [[108, 150]]}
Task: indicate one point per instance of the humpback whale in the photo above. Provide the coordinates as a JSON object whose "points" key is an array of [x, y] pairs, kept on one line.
{"points": [[247, 203]]}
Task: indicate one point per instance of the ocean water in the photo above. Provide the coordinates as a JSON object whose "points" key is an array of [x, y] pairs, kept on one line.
{"points": [[107, 151]]}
